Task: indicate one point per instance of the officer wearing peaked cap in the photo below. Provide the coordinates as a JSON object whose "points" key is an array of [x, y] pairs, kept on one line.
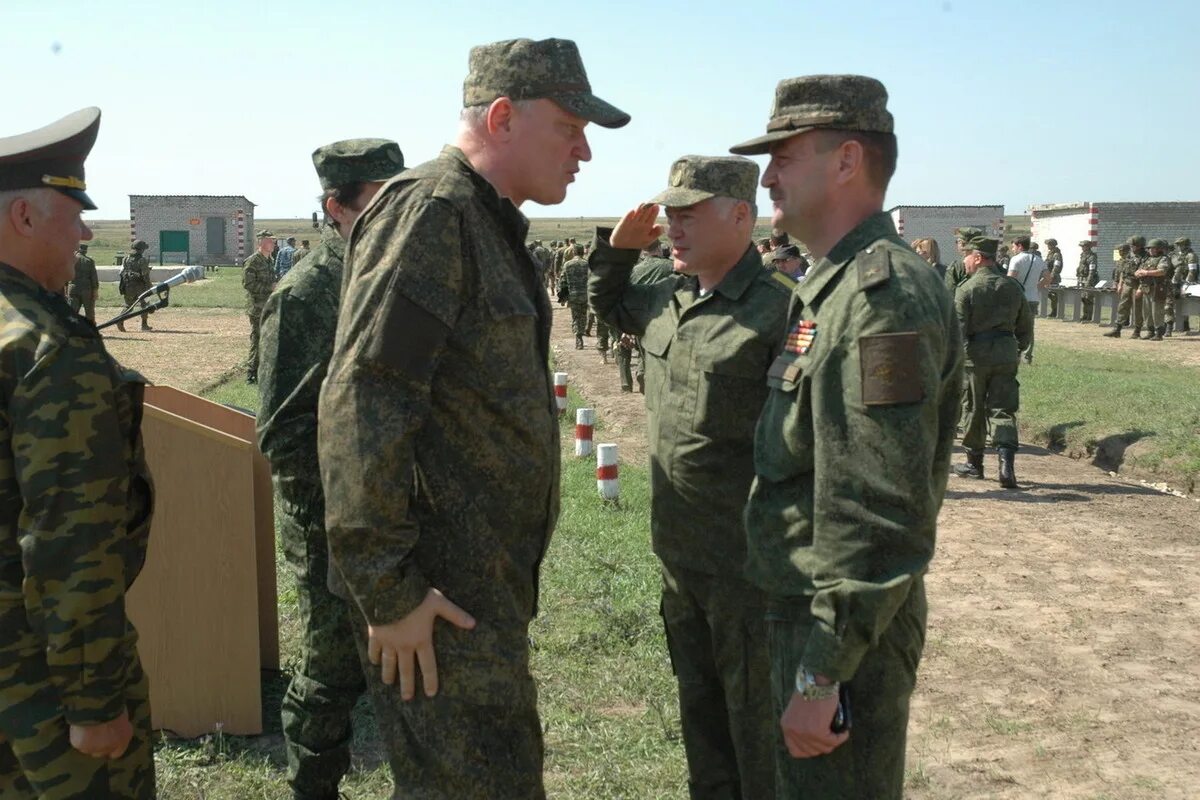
{"points": [[710, 332], [852, 448], [296, 336], [74, 702]]}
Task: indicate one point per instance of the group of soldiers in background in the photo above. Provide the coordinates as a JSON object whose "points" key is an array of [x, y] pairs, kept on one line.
{"points": [[1150, 277]]}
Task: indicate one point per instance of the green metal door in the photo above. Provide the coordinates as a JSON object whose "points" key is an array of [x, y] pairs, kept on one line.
{"points": [[174, 242]]}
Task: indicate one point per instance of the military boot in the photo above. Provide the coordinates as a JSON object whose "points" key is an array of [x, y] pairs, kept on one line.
{"points": [[972, 467], [1170, 328], [578, 342], [1115, 333], [641, 384], [1137, 333], [121, 326], [1158, 334], [1008, 475]]}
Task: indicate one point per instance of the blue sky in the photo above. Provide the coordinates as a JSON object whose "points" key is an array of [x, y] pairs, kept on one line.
{"points": [[1015, 103]]}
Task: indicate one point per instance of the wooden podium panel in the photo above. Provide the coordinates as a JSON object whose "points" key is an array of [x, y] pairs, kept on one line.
{"points": [[205, 605]]}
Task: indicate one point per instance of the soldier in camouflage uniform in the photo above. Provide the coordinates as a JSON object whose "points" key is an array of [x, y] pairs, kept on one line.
{"points": [[956, 274], [84, 285], [852, 449], [1123, 279], [444, 334], [295, 343], [651, 269], [1054, 263], [997, 325], [1086, 277], [1185, 265], [77, 500], [135, 279], [301, 251], [710, 331], [1002, 259], [1152, 274], [574, 284], [258, 279]]}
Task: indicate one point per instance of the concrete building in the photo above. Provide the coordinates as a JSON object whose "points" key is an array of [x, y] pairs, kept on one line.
{"points": [[1109, 225], [940, 222], [193, 229]]}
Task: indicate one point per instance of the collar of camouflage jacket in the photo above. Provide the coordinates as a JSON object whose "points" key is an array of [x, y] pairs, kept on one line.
{"points": [[509, 215], [872, 229], [14, 277], [334, 241]]}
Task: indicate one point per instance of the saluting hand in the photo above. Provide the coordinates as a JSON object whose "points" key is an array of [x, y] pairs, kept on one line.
{"points": [[806, 724], [637, 228], [106, 740], [393, 646]]}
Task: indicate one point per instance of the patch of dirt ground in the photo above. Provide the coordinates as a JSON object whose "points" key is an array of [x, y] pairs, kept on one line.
{"points": [[1181, 349], [1064, 630]]}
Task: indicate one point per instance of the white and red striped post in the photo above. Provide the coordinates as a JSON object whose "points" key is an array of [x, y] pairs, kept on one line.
{"points": [[606, 473], [1093, 223], [900, 227], [240, 221], [560, 391], [585, 424], [132, 227]]}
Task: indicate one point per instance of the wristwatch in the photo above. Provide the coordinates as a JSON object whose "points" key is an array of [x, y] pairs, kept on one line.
{"points": [[807, 688]]}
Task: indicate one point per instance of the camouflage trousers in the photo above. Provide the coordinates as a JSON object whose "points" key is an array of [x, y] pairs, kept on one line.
{"points": [[716, 635], [86, 301], [1148, 311], [445, 748], [37, 761], [319, 703], [624, 352], [995, 398], [579, 314], [1088, 303], [1124, 306], [131, 297], [255, 316], [602, 330], [1053, 302], [871, 762]]}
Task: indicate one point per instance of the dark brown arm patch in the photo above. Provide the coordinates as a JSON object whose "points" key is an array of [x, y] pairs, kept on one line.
{"points": [[890, 373]]}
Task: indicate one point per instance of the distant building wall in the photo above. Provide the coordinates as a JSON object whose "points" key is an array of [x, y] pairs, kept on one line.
{"points": [[940, 222], [1109, 225], [150, 215]]}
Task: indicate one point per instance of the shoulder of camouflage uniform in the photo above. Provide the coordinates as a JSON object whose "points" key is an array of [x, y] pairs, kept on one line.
{"points": [[875, 261], [778, 281]]}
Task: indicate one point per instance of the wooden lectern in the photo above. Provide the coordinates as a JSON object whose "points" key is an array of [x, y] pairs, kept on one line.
{"points": [[204, 605]]}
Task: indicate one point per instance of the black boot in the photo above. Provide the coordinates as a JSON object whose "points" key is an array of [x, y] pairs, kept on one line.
{"points": [[1158, 333], [1169, 330], [1137, 333], [578, 342], [972, 467], [641, 384], [1008, 477], [1115, 333]]}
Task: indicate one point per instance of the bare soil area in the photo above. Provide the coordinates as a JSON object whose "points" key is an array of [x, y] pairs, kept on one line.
{"points": [[1180, 349], [1063, 649], [188, 348]]}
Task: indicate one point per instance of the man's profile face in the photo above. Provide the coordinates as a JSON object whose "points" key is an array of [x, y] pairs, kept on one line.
{"points": [[798, 178], [548, 145], [700, 235], [61, 229]]}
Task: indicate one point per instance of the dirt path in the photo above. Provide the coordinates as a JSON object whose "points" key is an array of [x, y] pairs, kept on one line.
{"points": [[1182, 350], [1064, 632], [189, 348]]}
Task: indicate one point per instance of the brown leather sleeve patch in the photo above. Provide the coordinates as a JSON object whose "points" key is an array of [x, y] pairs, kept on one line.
{"points": [[890, 374]]}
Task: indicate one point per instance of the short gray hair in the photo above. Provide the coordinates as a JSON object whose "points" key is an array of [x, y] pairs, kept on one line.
{"points": [[474, 116], [37, 196]]}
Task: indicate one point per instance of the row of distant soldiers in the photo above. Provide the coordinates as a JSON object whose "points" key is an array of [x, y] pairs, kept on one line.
{"points": [[1150, 277], [565, 274]]}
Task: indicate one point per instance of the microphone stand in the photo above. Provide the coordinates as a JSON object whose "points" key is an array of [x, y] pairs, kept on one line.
{"points": [[140, 306]]}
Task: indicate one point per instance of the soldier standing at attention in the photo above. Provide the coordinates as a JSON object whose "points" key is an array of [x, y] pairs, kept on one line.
{"points": [[1152, 275], [444, 333], [996, 326], [710, 333], [1086, 277], [1123, 279], [1054, 263], [135, 279], [84, 285], [295, 343], [76, 499], [575, 278], [258, 279], [1185, 267], [852, 450]]}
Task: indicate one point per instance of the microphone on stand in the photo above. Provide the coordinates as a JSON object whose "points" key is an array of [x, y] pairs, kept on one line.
{"points": [[189, 275]]}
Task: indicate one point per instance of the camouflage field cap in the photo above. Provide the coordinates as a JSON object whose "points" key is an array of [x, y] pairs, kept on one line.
{"points": [[838, 102], [264, 234], [967, 234], [139, 245], [51, 157], [357, 161], [1159, 243], [697, 178], [1051, 243], [522, 69], [1183, 241], [785, 252], [1136, 241], [1086, 243], [986, 245]]}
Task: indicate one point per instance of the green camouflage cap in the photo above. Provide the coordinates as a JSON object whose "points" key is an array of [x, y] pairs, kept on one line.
{"points": [[837, 102], [967, 234], [1086, 243], [1051, 243], [264, 234], [697, 178], [1183, 241], [51, 157], [987, 245], [1159, 243], [1136, 241], [139, 245], [522, 69], [357, 161]]}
